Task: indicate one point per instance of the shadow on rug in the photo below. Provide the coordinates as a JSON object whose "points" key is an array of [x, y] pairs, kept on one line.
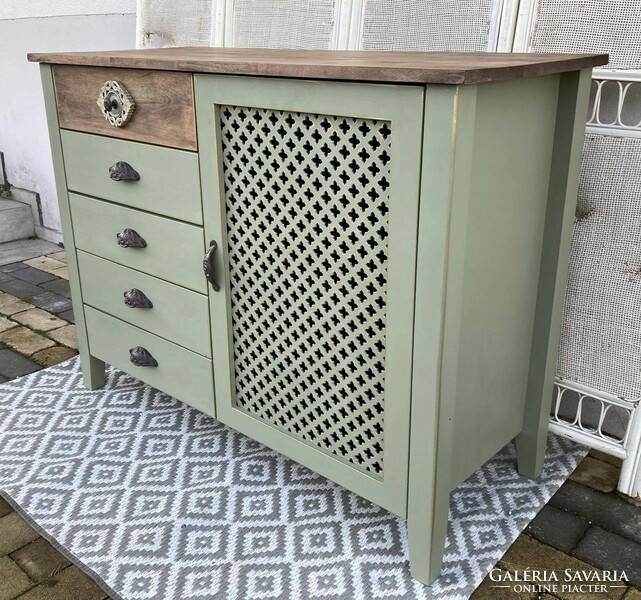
{"points": [[158, 501]]}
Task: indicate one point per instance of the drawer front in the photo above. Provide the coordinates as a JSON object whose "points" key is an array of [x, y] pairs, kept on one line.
{"points": [[179, 372], [173, 252], [168, 179], [164, 104], [170, 311]]}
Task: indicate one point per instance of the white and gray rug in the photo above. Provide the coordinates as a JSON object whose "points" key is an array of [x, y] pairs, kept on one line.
{"points": [[159, 502]]}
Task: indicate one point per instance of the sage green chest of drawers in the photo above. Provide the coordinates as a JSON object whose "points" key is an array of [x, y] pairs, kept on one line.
{"points": [[385, 240]]}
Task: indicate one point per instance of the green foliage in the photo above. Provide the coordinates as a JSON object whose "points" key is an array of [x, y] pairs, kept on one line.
{"points": [[5, 190]]}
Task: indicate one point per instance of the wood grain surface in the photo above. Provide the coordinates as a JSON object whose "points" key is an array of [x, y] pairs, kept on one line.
{"points": [[402, 67], [164, 112]]}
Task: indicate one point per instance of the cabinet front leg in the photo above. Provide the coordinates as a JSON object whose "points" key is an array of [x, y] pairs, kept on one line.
{"points": [[426, 531], [93, 371]]}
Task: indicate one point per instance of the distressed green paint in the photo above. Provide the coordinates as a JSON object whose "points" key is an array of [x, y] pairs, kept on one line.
{"points": [[93, 369], [445, 195], [178, 314], [512, 153], [402, 105], [561, 204], [180, 372], [174, 249], [169, 180]]}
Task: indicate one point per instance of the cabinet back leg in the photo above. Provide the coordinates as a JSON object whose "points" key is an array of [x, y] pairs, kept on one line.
{"points": [[569, 134]]}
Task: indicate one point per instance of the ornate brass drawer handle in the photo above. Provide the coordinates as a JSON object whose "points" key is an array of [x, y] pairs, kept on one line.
{"points": [[134, 298], [141, 357], [116, 103], [128, 238], [123, 171], [207, 267]]}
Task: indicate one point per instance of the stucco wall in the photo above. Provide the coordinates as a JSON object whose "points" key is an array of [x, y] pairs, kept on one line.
{"points": [[45, 26]]}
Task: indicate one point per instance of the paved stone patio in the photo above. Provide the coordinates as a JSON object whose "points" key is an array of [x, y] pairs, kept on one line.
{"points": [[585, 526]]}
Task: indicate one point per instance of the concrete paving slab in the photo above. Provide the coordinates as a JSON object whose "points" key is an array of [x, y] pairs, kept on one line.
{"points": [[5, 507], [10, 305], [44, 263], [595, 474], [13, 580], [6, 324], [70, 584], [16, 533], [54, 355], [51, 302], [39, 319], [13, 364], [21, 289], [611, 551], [39, 560], [66, 335], [58, 286], [18, 251], [25, 340], [31, 275], [557, 528]]}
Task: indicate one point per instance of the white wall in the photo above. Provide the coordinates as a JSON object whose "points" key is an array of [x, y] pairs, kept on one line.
{"points": [[46, 26]]}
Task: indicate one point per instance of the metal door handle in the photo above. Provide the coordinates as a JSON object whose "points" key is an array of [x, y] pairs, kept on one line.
{"points": [[207, 267]]}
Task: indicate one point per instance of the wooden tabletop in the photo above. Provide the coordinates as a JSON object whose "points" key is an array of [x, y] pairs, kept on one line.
{"points": [[400, 67]]}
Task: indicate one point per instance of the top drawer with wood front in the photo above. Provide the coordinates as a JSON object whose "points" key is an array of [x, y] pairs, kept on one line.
{"points": [[156, 107]]}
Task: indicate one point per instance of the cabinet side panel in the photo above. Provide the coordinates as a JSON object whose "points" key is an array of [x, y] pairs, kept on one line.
{"points": [[515, 124], [93, 370]]}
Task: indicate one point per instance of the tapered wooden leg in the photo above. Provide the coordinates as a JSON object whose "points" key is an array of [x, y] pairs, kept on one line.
{"points": [[427, 529], [562, 194], [93, 371]]}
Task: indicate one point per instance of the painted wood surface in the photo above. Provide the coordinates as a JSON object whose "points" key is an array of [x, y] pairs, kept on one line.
{"points": [[174, 249], [178, 314], [403, 107], [449, 126], [403, 67], [169, 181], [93, 369], [180, 373], [500, 270], [559, 219], [164, 111]]}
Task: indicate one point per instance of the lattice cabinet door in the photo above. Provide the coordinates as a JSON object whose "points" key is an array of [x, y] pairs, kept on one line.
{"points": [[311, 207]]}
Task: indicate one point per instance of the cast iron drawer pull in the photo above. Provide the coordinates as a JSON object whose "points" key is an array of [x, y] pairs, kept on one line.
{"points": [[134, 298], [128, 238], [123, 171], [141, 357], [207, 268]]}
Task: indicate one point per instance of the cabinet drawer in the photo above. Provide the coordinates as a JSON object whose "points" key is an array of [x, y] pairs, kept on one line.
{"points": [[164, 104], [168, 183], [180, 372], [176, 314], [173, 252]]}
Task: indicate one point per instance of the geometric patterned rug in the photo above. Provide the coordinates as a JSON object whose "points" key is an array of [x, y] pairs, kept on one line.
{"points": [[158, 501]]}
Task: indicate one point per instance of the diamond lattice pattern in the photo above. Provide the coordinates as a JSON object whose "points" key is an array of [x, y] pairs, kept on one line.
{"points": [[307, 205]]}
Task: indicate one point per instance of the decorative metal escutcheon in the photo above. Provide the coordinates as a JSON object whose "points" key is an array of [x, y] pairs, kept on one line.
{"points": [[141, 357], [116, 103], [129, 238], [123, 171], [134, 298]]}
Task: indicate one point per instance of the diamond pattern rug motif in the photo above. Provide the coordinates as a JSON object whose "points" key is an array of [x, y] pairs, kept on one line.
{"points": [[158, 501]]}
